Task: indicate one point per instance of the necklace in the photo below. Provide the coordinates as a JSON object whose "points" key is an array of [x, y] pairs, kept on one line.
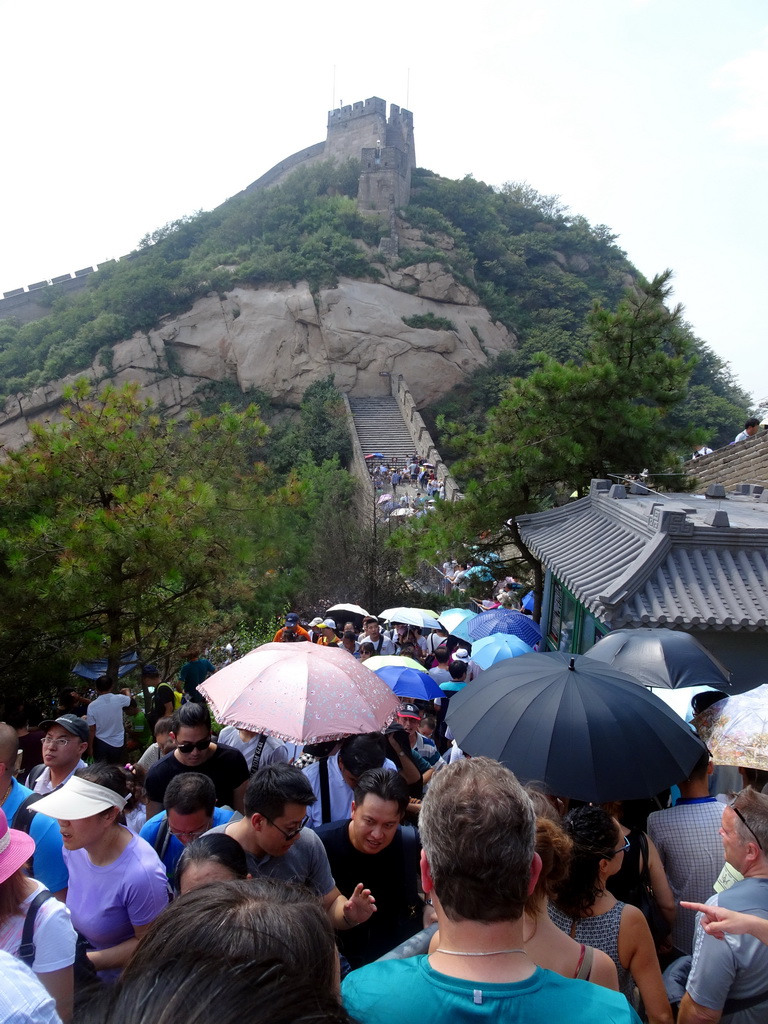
{"points": [[491, 952]]}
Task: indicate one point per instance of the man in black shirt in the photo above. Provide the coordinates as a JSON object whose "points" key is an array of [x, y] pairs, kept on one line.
{"points": [[195, 752], [373, 847]]}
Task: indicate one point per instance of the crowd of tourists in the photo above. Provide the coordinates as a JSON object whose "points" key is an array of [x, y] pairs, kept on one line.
{"points": [[154, 868]]}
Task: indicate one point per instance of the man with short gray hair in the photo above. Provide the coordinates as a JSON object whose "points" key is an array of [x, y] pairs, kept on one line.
{"points": [[730, 976], [478, 864]]}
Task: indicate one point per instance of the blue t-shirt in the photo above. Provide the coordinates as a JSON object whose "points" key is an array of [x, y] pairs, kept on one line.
{"points": [[48, 864], [401, 989], [175, 847]]}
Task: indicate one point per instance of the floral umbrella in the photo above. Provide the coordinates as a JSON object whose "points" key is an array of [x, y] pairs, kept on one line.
{"points": [[304, 693], [736, 729]]}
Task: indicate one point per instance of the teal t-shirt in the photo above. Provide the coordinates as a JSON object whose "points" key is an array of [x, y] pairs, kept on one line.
{"points": [[409, 991]]}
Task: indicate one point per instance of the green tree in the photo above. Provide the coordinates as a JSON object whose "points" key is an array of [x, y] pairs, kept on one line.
{"points": [[119, 528], [566, 423], [322, 432]]}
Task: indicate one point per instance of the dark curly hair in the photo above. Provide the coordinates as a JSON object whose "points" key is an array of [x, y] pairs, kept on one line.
{"points": [[594, 834]]}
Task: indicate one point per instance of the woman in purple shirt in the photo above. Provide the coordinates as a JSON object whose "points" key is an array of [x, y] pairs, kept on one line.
{"points": [[117, 884]]}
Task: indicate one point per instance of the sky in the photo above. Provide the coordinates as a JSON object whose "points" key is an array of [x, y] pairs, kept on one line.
{"points": [[649, 116]]}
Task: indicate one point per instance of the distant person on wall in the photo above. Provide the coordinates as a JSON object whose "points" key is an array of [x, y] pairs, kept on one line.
{"points": [[195, 671], [751, 427]]}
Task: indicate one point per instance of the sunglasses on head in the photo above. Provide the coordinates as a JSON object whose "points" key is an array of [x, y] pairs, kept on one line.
{"points": [[743, 820], [187, 748]]}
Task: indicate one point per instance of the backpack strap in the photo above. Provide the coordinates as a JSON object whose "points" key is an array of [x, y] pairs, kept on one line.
{"points": [[163, 837], [325, 791], [22, 819], [27, 948], [411, 861], [258, 752], [34, 775]]}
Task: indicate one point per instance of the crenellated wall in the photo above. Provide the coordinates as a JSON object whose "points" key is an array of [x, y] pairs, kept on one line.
{"points": [[423, 444], [740, 463]]}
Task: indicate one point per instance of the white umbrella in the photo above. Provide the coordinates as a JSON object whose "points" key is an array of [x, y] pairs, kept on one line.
{"points": [[354, 609], [403, 512], [410, 617]]}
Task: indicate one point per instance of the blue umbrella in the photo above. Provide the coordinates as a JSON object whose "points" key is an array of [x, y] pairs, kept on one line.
{"points": [[528, 600], [505, 620], [455, 620], [498, 647], [481, 572], [407, 682]]}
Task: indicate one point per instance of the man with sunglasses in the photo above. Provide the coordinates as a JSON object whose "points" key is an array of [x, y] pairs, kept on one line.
{"points": [[196, 752], [277, 843], [729, 978]]}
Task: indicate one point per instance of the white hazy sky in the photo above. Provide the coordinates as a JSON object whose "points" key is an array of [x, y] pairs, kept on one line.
{"points": [[650, 116]]}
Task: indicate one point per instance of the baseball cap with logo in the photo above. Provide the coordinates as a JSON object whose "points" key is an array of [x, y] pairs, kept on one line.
{"points": [[77, 726], [408, 711]]}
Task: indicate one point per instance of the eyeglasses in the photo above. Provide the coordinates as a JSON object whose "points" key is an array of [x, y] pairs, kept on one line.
{"points": [[743, 820], [187, 748], [622, 849], [289, 835], [190, 835], [57, 741]]}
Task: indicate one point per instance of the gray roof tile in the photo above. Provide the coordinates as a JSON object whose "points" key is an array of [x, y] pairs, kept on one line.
{"points": [[659, 560]]}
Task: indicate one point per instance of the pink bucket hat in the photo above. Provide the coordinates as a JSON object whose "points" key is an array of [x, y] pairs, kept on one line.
{"points": [[15, 848]]}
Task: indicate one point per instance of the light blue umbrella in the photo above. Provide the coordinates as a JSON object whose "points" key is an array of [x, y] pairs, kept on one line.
{"points": [[480, 572], [455, 620], [498, 647]]}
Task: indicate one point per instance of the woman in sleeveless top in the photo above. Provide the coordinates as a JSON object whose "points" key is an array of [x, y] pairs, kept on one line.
{"points": [[545, 944], [625, 883], [586, 910]]}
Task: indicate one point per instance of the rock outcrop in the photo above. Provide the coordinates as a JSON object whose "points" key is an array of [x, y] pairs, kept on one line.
{"points": [[282, 338]]}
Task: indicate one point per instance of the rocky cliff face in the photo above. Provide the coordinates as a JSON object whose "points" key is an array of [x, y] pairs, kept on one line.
{"points": [[282, 338]]}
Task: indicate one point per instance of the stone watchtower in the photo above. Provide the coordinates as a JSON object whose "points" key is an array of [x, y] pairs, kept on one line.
{"points": [[362, 132], [384, 147]]}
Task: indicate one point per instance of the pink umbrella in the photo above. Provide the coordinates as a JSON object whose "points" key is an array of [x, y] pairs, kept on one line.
{"points": [[304, 693]]}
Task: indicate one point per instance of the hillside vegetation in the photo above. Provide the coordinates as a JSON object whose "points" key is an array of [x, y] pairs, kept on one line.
{"points": [[536, 267]]}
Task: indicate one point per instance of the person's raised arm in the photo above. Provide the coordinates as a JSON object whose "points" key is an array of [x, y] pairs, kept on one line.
{"points": [[716, 921], [345, 913]]}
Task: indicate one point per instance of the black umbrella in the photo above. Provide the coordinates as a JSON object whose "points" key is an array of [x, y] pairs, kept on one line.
{"points": [[583, 729], [661, 657]]}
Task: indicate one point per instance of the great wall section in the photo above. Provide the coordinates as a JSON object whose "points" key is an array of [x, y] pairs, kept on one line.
{"points": [[743, 464], [362, 131]]}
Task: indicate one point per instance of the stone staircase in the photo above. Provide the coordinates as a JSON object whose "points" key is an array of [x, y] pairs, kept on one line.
{"points": [[381, 428]]}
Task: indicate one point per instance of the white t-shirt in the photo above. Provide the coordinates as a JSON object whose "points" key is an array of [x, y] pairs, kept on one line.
{"points": [[106, 713], [54, 936]]}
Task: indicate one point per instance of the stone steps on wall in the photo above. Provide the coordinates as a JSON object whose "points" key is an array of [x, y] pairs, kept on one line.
{"points": [[381, 428]]}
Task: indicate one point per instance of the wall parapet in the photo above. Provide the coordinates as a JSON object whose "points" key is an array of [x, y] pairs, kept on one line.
{"points": [[743, 462], [423, 444], [366, 495]]}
